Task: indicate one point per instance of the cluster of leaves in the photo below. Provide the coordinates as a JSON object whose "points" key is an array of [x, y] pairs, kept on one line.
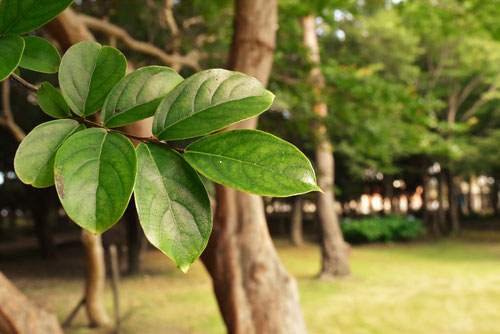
{"points": [[96, 168], [382, 229]]}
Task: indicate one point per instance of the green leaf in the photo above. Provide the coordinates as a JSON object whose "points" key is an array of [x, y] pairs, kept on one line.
{"points": [[88, 72], [52, 102], [253, 161], [172, 203], [11, 51], [95, 173], [34, 160], [209, 101], [22, 16], [40, 56], [138, 95]]}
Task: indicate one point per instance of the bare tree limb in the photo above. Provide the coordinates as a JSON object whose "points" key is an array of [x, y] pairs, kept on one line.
{"points": [[8, 119], [468, 89], [175, 61], [478, 104]]}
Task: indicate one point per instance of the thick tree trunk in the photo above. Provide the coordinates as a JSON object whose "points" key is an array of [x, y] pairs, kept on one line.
{"points": [[296, 225], [254, 291], [19, 315], [96, 280], [334, 251], [453, 202]]}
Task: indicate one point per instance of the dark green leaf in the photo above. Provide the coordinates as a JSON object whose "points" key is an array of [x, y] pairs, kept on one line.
{"points": [[138, 95], [88, 72], [40, 56], [11, 51], [172, 203], [52, 102], [34, 161], [22, 16], [209, 101], [95, 173], [253, 161]]}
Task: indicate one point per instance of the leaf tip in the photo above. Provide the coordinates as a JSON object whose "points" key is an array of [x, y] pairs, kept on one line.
{"points": [[184, 267]]}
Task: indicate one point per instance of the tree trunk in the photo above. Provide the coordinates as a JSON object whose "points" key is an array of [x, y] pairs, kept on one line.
{"points": [[254, 291], [389, 190], [19, 315], [453, 202], [96, 280], [334, 251], [135, 240], [441, 212], [44, 213], [430, 217], [296, 226]]}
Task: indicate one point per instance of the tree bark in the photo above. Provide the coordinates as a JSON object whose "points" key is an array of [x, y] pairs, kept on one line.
{"points": [[453, 202], [296, 226], [334, 251], [19, 315], [96, 280], [254, 291]]}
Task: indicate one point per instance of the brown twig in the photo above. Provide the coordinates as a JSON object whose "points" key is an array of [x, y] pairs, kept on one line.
{"points": [[8, 119], [25, 83], [82, 120], [176, 61]]}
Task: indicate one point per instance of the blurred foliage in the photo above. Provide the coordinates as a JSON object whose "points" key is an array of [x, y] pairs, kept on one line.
{"points": [[382, 229]]}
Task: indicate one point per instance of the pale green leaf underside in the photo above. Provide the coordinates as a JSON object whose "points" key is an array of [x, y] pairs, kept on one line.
{"points": [[40, 56], [172, 203], [52, 102], [88, 73], [208, 101], [11, 51], [138, 95], [23, 16], [253, 161], [95, 173], [34, 160]]}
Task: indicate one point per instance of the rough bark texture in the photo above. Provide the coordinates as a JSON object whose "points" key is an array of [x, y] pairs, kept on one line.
{"points": [[296, 226], [334, 251], [68, 30], [254, 291], [19, 315], [96, 280]]}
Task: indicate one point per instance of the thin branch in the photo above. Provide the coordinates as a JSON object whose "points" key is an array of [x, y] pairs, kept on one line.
{"points": [[453, 104], [175, 61], [468, 89], [30, 86], [478, 104], [8, 120], [145, 140]]}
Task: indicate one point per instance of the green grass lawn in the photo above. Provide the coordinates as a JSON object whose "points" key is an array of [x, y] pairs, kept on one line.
{"points": [[447, 286]]}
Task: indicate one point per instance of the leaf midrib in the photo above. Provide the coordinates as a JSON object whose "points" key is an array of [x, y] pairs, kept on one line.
{"points": [[244, 162]]}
